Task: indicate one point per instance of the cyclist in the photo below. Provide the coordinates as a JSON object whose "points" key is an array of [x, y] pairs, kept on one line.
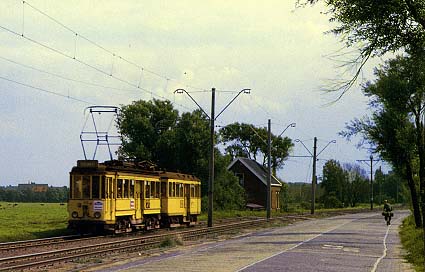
{"points": [[387, 213]]}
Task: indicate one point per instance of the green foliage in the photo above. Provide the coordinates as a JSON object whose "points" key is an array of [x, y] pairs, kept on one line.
{"points": [[154, 130], [53, 195], [377, 26], [343, 186], [171, 242], [390, 187], [228, 194], [412, 240], [24, 221], [146, 130], [334, 182], [395, 129], [331, 201], [245, 140]]}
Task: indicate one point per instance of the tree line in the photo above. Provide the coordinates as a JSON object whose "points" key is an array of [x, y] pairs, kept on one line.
{"points": [[154, 130], [347, 185], [52, 195]]}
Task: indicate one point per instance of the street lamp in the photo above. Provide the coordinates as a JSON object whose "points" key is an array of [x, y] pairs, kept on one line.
{"points": [[290, 125], [212, 118], [180, 91]]}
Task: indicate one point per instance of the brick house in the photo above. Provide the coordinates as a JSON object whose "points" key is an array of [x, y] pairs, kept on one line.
{"points": [[253, 178]]}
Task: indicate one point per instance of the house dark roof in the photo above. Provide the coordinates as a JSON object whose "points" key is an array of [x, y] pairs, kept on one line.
{"points": [[257, 169]]}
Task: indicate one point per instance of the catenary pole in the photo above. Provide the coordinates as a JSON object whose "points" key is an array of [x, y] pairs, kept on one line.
{"points": [[269, 174], [370, 161], [313, 180], [212, 144], [371, 182], [211, 162]]}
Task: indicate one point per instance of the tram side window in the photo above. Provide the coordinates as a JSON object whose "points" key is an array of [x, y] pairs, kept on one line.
{"points": [[78, 184], [197, 191], [131, 183], [95, 187], [86, 187], [192, 190], [157, 189], [171, 189], [110, 193], [119, 188], [103, 188], [148, 189], [163, 189], [181, 194], [125, 187]]}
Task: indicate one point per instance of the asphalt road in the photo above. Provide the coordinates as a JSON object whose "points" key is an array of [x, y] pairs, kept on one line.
{"points": [[357, 242]]}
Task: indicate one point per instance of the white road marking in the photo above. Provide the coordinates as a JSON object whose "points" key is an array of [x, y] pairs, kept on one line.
{"points": [[301, 243], [385, 249]]}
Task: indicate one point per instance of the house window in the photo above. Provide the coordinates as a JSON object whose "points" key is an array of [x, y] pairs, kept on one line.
{"points": [[240, 178]]}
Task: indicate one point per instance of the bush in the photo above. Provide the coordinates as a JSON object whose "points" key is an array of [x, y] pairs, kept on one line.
{"points": [[331, 202]]}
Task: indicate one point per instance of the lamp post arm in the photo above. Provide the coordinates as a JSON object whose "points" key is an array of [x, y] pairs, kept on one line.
{"points": [[290, 125], [183, 90], [298, 140], [228, 104], [331, 142]]}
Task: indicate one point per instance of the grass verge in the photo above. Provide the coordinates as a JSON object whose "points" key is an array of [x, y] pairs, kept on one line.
{"points": [[25, 221], [412, 240]]}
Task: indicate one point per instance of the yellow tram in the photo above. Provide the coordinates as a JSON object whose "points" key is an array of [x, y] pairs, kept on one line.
{"points": [[122, 196]]}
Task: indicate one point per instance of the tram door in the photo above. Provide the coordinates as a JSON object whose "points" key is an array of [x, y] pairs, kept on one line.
{"points": [[187, 198], [109, 201]]}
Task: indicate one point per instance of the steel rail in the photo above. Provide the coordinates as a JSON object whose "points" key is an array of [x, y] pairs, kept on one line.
{"points": [[43, 259]]}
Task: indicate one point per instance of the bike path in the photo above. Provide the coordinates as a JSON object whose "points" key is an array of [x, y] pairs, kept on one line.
{"points": [[356, 242]]}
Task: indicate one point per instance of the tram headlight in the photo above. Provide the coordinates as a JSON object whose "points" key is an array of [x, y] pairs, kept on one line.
{"points": [[97, 215], [74, 214]]}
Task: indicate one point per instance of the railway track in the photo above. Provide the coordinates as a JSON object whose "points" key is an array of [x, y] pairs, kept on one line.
{"points": [[48, 258], [88, 249], [10, 246]]}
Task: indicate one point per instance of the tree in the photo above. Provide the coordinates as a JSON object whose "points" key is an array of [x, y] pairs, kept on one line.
{"points": [[375, 27], [146, 129], [228, 194], [396, 129], [357, 184], [154, 130], [334, 183], [245, 140]]}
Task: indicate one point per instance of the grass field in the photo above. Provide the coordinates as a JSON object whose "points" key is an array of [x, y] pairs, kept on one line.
{"points": [[23, 221]]}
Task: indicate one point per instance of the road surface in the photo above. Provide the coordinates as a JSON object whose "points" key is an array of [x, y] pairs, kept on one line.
{"points": [[356, 242]]}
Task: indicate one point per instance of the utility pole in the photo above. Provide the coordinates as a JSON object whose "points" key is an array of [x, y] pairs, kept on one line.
{"points": [[380, 185], [211, 162], [371, 182], [371, 160], [212, 144], [314, 176], [313, 180], [269, 174]]}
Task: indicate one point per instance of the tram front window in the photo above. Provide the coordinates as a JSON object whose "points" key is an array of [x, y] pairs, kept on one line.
{"points": [[95, 187], [77, 188], [86, 187]]}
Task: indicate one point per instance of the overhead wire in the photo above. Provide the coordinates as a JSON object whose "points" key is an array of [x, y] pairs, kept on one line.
{"points": [[45, 90], [88, 83], [114, 54]]}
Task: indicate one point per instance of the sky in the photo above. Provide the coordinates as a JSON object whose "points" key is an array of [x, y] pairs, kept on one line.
{"points": [[59, 57]]}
